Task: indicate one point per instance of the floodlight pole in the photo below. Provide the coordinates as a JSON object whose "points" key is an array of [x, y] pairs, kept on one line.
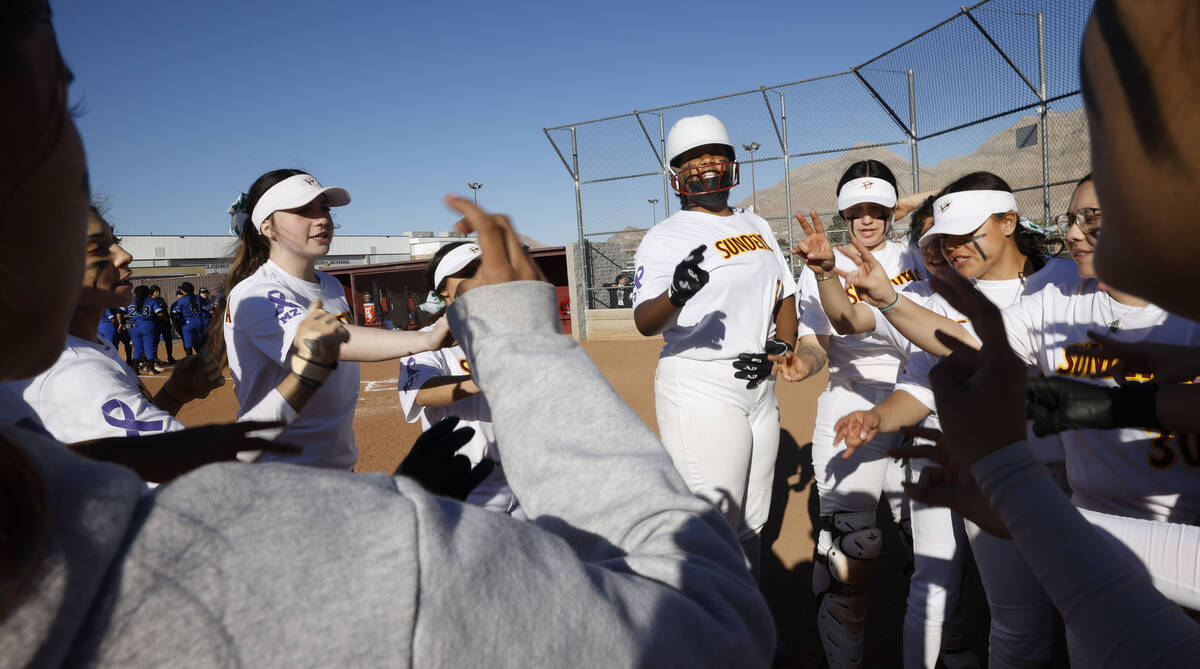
{"points": [[475, 186], [653, 209], [752, 147]]}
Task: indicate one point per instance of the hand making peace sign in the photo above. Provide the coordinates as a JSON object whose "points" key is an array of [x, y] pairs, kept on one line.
{"points": [[815, 248]]}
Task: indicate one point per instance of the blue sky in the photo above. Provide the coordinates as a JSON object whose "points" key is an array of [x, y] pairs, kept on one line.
{"points": [[186, 103]]}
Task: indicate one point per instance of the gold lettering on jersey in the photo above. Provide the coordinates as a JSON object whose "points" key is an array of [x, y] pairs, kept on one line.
{"points": [[1084, 360], [732, 246], [466, 366], [344, 317], [900, 279]]}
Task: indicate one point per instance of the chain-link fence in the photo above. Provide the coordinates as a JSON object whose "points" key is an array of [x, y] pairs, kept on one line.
{"points": [[994, 87]]}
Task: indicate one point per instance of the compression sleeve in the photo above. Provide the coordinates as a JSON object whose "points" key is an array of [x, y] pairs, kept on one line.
{"points": [[1111, 605]]}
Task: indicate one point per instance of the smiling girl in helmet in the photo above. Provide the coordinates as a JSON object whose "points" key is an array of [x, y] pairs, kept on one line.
{"points": [[713, 281]]}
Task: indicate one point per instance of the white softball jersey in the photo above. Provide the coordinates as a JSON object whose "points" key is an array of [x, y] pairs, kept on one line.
{"points": [[89, 393], [265, 311], [914, 379], [1128, 472], [733, 312], [866, 357], [472, 411]]}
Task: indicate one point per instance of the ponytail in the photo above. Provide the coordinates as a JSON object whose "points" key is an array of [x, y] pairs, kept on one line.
{"points": [[252, 251]]}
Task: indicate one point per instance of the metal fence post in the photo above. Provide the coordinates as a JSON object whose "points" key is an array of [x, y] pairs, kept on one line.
{"points": [[579, 312], [662, 139], [912, 133], [787, 182], [1045, 126]]}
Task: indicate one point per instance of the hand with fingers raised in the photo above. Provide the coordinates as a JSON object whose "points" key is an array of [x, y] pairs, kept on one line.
{"points": [[815, 248], [868, 277], [980, 394], [688, 278], [503, 258], [755, 368], [855, 429], [435, 463], [947, 485]]}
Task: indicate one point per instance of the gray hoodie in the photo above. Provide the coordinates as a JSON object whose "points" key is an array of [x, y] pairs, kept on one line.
{"points": [[279, 565]]}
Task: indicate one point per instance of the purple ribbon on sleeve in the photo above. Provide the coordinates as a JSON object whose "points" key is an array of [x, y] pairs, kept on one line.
{"points": [[128, 421], [284, 310]]}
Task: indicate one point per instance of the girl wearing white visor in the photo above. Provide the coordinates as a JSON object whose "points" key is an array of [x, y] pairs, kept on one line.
{"points": [[435, 385], [283, 227], [982, 238], [862, 371]]}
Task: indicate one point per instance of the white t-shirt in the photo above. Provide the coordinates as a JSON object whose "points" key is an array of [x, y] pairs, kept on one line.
{"points": [[471, 411], [89, 393], [265, 311], [914, 379], [748, 275], [866, 357], [1131, 471]]}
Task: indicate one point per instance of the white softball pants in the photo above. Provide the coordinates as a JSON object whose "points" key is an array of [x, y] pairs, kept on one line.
{"points": [[722, 437]]}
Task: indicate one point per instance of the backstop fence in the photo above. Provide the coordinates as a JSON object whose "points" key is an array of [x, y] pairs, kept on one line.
{"points": [[994, 87]]}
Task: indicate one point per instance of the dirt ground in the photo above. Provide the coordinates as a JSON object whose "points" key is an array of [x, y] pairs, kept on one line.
{"points": [[384, 438]]}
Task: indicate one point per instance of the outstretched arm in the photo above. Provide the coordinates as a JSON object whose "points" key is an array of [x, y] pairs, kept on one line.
{"points": [[817, 252]]}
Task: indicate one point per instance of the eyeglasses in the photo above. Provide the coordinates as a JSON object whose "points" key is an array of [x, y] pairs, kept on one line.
{"points": [[1088, 219]]}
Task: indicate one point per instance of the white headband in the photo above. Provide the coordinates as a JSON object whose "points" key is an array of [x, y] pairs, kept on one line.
{"points": [[965, 211], [866, 189], [295, 191], [454, 262]]}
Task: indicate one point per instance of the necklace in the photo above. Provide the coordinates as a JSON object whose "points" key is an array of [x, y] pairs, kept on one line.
{"points": [[1114, 326]]}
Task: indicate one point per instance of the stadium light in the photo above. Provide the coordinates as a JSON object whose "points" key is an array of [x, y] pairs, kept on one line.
{"points": [[752, 147], [475, 186], [653, 210]]}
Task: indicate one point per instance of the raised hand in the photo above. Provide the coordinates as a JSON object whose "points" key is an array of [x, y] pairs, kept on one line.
{"points": [[194, 377], [980, 394], [434, 463], [688, 279], [758, 367], [947, 486], [856, 429], [503, 258], [815, 248], [868, 277], [1165, 363], [164, 456]]}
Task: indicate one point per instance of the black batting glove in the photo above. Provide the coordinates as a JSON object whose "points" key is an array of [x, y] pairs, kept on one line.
{"points": [[1058, 404], [434, 463], [689, 278], [755, 367]]}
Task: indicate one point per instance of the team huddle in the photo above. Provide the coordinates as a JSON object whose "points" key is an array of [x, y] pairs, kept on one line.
{"points": [[1008, 405]]}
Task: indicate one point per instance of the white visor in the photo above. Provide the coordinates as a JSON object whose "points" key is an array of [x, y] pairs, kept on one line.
{"points": [[295, 191], [866, 189], [453, 262], [966, 211]]}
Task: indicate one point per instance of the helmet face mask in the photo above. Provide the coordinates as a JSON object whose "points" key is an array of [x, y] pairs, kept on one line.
{"points": [[708, 177]]}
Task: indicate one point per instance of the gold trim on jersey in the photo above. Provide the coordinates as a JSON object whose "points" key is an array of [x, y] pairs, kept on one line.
{"points": [[907, 276], [466, 366]]}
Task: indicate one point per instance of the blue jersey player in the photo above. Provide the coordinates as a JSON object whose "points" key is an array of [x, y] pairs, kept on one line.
{"points": [[189, 312]]}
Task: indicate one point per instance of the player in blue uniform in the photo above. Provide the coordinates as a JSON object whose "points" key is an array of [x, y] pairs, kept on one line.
{"points": [[188, 311], [207, 306], [108, 326], [142, 318], [164, 327]]}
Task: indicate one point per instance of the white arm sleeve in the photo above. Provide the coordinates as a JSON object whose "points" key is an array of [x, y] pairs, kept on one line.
{"points": [[1109, 603]]}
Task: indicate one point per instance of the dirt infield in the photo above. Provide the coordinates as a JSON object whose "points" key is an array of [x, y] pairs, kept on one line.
{"points": [[384, 437]]}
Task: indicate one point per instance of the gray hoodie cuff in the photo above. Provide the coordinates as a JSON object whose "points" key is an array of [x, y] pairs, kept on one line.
{"points": [[516, 307]]}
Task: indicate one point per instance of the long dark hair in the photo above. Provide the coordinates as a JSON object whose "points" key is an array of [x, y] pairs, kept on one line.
{"points": [[140, 293], [1031, 244], [252, 251], [917, 220], [431, 268]]}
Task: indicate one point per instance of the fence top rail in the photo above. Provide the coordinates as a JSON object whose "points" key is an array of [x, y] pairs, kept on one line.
{"points": [[906, 42]]}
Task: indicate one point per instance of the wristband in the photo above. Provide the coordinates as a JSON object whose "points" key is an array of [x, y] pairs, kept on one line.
{"points": [[826, 276], [310, 369], [171, 397], [311, 384], [884, 310]]}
